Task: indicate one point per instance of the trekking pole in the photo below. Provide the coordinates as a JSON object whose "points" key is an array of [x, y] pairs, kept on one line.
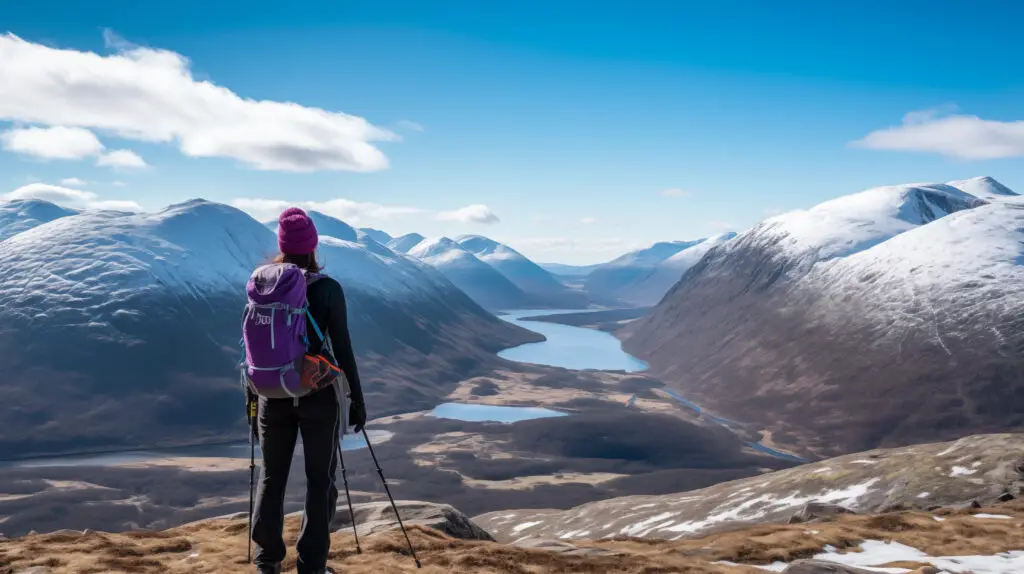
{"points": [[348, 497], [252, 466], [391, 498]]}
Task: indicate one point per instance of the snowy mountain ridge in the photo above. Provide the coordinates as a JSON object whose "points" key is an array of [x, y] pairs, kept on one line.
{"points": [[914, 293], [21, 215], [143, 309]]}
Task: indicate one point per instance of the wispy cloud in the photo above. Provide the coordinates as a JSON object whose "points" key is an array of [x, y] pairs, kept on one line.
{"points": [[66, 143], [73, 181], [122, 158], [959, 136], [353, 212], [69, 197], [150, 95], [409, 126], [588, 220], [476, 213], [676, 192], [57, 142]]}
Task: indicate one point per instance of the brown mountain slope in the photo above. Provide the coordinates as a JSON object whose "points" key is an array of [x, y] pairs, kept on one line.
{"points": [[915, 337], [219, 546]]}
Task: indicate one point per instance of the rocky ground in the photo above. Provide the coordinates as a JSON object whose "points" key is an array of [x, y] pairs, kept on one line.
{"points": [[951, 507], [981, 468], [966, 540]]}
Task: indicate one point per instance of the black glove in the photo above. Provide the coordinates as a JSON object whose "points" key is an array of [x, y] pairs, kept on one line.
{"points": [[357, 415]]}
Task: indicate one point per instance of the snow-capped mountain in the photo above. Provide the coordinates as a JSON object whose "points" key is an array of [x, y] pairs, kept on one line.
{"points": [[377, 235], [522, 272], [986, 188], [482, 282], [610, 281], [123, 328], [891, 316], [23, 214], [406, 242], [650, 288]]}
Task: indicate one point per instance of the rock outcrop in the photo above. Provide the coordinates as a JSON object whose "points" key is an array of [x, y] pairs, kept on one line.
{"points": [[981, 468], [377, 517]]}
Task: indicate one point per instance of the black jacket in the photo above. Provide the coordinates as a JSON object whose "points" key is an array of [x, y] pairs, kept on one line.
{"points": [[327, 306]]}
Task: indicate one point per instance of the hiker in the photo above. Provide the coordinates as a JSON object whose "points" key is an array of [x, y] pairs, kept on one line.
{"points": [[313, 410]]}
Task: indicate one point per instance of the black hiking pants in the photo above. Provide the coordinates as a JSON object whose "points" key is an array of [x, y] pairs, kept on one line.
{"points": [[318, 418]]}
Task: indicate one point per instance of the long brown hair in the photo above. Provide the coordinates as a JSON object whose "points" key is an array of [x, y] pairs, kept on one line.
{"points": [[307, 261]]}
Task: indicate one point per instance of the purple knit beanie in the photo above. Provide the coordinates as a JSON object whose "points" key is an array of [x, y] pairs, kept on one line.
{"points": [[296, 234]]}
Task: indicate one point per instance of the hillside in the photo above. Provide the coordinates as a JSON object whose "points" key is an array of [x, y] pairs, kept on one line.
{"points": [[130, 323], [483, 283], [24, 214], [614, 280], [883, 318], [900, 530], [650, 288], [540, 284]]}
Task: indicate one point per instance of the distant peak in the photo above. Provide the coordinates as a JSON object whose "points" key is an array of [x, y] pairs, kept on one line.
{"points": [[983, 186]]}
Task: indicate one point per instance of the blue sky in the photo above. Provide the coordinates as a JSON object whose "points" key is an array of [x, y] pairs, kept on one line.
{"points": [[566, 119]]}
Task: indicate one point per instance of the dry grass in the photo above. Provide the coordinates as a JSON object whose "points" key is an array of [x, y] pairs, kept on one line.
{"points": [[220, 546]]}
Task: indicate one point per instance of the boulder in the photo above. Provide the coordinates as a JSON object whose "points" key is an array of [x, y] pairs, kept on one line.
{"points": [[376, 517], [817, 511], [811, 566]]}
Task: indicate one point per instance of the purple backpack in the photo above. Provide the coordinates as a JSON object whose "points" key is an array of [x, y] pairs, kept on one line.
{"points": [[274, 332]]}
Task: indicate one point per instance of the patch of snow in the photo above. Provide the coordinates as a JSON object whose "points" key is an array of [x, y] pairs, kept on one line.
{"points": [[758, 507], [864, 461], [821, 470], [939, 518], [995, 516], [961, 471], [874, 553], [521, 527], [644, 526], [949, 449], [923, 495]]}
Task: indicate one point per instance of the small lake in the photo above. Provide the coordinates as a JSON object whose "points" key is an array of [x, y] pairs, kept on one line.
{"points": [[491, 413], [569, 347], [349, 442]]}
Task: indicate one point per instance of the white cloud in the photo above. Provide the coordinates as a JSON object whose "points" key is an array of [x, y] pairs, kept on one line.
{"points": [[959, 136], [151, 95], [773, 211], [588, 220], [409, 125], [73, 181], [122, 158], [69, 197], [476, 213], [676, 192], [57, 142], [118, 184], [352, 212]]}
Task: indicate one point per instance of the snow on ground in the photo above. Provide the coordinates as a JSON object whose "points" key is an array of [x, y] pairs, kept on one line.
{"points": [[92, 264], [856, 222], [961, 471], [760, 506], [873, 554], [23, 214]]}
